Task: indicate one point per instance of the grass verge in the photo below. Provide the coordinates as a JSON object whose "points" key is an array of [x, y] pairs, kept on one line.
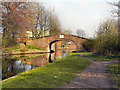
{"points": [[114, 69], [98, 57], [55, 74], [17, 48], [13, 48], [32, 47], [27, 57]]}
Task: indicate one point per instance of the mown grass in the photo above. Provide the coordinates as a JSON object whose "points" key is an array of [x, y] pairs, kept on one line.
{"points": [[13, 48], [55, 74], [105, 58], [98, 57], [114, 69], [27, 57], [82, 53], [28, 47], [17, 48], [32, 47]]}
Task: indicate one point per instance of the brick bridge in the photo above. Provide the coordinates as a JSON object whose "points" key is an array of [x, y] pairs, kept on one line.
{"points": [[46, 42]]}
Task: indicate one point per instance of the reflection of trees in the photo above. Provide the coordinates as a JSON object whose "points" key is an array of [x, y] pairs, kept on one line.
{"points": [[38, 61], [7, 67], [11, 67], [50, 60], [19, 66]]}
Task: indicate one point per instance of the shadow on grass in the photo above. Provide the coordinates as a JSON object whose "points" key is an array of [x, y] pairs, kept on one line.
{"points": [[112, 57], [55, 74]]}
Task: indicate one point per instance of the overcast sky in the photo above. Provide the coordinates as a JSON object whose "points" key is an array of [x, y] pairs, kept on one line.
{"points": [[81, 14]]}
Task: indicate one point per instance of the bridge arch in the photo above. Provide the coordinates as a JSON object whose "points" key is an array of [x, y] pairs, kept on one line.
{"points": [[46, 42], [57, 40]]}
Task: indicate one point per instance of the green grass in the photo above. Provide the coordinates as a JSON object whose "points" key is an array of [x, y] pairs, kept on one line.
{"points": [[16, 58], [114, 69], [82, 53], [32, 47], [28, 47], [32, 57], [27, 57], [17, 48], [96, 57], [13, 48], [55, 74], [104, 58]]}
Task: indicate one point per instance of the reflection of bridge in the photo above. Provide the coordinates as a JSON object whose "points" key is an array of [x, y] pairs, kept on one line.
{"points": [[46, 42]]}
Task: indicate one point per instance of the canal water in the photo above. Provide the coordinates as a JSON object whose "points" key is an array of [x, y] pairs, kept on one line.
{"points": [[14, 64]]}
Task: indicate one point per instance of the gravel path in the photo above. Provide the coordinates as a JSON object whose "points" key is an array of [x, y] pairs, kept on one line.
{"points": [[95, 76]]}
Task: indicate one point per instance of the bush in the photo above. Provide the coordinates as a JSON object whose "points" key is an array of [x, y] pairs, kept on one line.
{"points": [[106, 42], [88, 45]]}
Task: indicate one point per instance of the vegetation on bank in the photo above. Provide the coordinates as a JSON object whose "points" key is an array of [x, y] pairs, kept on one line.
{"points": [[98, 57], [17, 48], [107, 38], [114, 70], [27, 16], [29, 57], [32, 47], [55, 74], [12, 48]]}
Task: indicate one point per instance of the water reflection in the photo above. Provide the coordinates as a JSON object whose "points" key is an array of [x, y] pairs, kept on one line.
{"points": [[50, 59], [0, 68], [12, 65]]}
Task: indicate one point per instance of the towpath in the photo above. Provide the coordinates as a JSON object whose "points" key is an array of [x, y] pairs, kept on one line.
{"points": [[94, 76]]}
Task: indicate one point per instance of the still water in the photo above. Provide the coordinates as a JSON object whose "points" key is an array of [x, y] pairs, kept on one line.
{"points": [[14, 64]]}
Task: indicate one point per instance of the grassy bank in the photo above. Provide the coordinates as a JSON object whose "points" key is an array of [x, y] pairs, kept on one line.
{"points": [[98, 57], [55, 74], [114, 69], [18, 48]]}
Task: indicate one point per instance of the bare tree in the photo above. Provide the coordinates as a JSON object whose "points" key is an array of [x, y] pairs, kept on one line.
{"points": [[41, 20], [68, 31], [80, 33], [116, 12], [46, 21], [15, 21], [55, 25]]}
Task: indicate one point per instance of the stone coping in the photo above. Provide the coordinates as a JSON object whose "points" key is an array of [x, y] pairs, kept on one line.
{"points": [[26, 52], [9, 78]]}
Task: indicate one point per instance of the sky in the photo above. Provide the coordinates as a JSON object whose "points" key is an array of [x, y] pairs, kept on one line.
{"points": [[81, 14]]}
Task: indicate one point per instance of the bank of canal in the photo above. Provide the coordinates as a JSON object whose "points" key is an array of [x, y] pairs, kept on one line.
{"points": [[14, 64], [55, 74]]}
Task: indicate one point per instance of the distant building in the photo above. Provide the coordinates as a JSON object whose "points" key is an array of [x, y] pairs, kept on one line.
{"points": [[65, 46], [46, 33], [29, 34]]}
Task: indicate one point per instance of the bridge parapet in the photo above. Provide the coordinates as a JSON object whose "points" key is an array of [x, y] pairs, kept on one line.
{"points": [[46, 42]]}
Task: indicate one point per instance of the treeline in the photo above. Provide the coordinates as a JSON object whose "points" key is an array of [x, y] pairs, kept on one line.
{"points": [[19, 17], [107, 39]]}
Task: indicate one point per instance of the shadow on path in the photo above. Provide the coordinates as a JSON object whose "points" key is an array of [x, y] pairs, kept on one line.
{"points": [[94, 76]]}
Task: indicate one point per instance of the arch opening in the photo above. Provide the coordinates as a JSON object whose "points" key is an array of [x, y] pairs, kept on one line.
{"points": [[69, 40]]}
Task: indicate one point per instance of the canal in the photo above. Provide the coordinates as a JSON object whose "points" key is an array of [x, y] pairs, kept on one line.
{"points": [[14, 64]]}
